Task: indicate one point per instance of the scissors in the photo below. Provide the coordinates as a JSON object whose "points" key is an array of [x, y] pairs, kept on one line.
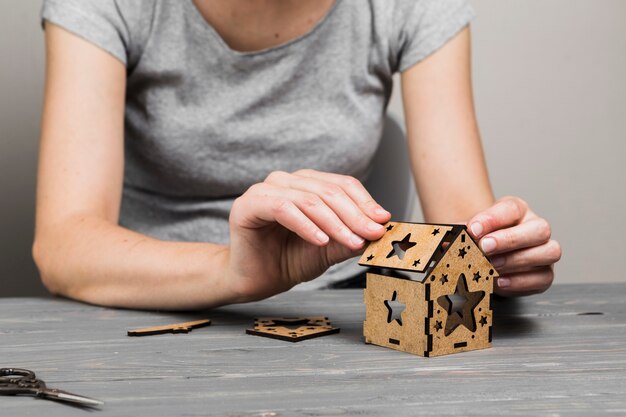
{"points": [[14, 381]]}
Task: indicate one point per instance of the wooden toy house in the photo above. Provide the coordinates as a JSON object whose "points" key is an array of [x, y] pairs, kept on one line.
{"points": [[443, 306]]}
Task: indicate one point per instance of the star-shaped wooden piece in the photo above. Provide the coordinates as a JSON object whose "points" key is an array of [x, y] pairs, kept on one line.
{"points": [[476, 276], [444, 278], [461, 313], [462, 253], [438, 325], [292, 329], [483, 321]]}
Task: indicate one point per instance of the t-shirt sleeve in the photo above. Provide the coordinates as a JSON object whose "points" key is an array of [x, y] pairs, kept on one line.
{"points": [[423, 26], [97, 21]]}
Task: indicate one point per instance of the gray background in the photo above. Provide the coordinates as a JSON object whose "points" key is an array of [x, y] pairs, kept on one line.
{"points": [[550, 87]]}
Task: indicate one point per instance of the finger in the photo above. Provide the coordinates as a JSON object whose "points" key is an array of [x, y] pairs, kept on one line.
{"points": [[336, 252], [506, 212], [325, 218], [528, 234], [257, 211], [354, 189], [317, 191], [525, 283], [316, 210], [543, 255]]}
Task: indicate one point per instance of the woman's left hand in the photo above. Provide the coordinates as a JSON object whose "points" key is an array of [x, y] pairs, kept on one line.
{"points": [[519, 245]]}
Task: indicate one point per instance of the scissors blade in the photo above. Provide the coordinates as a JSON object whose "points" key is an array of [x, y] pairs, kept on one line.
{"points": [[55, 394]]}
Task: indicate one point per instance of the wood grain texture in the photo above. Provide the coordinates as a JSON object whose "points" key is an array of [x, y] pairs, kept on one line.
{"points": [[185, 327], [447, 310], [424, 238], [478, 275], [407, 335], [292, 329], [549, 357]]}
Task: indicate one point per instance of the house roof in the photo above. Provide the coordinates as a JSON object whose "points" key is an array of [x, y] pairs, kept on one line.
{"points": [[409, 246]]}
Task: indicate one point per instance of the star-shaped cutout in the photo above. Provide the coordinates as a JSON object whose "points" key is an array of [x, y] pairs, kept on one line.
{"points": [[444, 278], [401, 246], [476, 276], [462, 253], [389, 227], [370, 257], [394, 309], [461, 310], [415, 263], [483, 321], [435, 232], [438, 325]]}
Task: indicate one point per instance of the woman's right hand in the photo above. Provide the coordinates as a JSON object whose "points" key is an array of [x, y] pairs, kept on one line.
{"points": [[292, 227]]}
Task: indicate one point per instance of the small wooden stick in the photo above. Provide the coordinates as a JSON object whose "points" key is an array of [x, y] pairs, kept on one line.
{"points": [[170, 328]]}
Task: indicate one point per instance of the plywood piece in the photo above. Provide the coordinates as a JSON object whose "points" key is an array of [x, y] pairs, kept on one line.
{"points": [[292, 329], [382, 329], [448, 311], [463, 261], [405, 246], [170, 328]]}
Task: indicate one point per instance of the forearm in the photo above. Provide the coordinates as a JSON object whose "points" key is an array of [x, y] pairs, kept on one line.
{"points": [[93, 260], [453, 186], [444, 143], [451, 174]]}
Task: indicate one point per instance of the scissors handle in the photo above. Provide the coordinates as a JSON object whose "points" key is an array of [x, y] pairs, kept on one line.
{"points": [[15, 381], [16, 374]]}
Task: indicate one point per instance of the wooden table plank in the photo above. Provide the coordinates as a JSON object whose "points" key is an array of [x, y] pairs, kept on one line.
{"points": [[549, 357]]}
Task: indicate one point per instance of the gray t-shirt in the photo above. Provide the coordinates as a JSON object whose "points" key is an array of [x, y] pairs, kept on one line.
{"points": [[204, 122]]}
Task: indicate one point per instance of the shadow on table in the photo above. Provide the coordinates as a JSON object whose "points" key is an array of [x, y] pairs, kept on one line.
{"points": [[509, 321]]}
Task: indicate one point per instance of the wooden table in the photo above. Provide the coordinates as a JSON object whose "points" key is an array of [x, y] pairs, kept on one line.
{"points": [[560, 353]]}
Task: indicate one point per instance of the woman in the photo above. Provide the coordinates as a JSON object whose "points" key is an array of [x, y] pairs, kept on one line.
{"points": [[201, 153]]}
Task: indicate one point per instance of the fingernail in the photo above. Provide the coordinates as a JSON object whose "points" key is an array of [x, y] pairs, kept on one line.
{"points": [[321, 236], [504, 282], [488, 244], [374, 227], [497, 261], [381, 212], [357, 240], [477, 229]]}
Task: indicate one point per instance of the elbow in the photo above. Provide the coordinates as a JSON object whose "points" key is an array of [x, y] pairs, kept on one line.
{"points": [[43, 257], [61, 271]]}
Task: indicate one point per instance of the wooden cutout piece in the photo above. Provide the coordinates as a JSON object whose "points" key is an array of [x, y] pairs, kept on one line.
{"points": [[407, 335], [292, 329], [170, 328], [405, 246], [429, 326], [463, 259]]}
